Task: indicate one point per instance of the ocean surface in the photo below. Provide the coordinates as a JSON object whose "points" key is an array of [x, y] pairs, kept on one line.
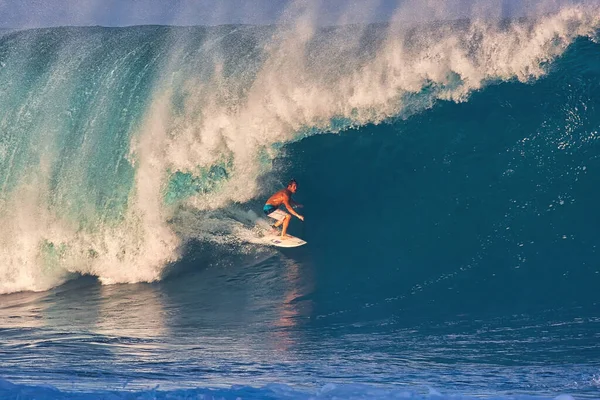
{"points": [[449, 174]]}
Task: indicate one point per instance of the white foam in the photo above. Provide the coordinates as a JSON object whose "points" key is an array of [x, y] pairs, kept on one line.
{"points": [[291, 92]]}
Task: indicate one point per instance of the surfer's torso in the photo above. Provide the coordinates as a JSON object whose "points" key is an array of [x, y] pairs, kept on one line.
{"points": [[279, 198]]}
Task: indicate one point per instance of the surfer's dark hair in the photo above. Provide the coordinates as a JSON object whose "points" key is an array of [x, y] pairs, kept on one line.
{"points": [[291, 182]]}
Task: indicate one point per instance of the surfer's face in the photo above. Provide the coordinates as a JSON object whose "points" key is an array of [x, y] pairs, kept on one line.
{"points": [[292, 188]]}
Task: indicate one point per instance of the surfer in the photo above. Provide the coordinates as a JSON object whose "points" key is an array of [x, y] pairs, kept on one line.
{"points": [[284, 196]]}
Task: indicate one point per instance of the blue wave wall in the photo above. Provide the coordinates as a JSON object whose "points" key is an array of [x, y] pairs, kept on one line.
{"points": [[488, 204]]}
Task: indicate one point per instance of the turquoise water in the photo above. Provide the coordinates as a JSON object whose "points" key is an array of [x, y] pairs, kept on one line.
{"points": [[448, 175]]}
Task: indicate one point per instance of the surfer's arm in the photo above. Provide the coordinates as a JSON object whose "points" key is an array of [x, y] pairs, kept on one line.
{"points": [[286, 203]]}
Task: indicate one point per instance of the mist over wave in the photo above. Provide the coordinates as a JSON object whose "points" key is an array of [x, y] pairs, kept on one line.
{"points": [[118, 146]]}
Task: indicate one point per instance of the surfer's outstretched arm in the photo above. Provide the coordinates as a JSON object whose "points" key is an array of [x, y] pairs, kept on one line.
{"points": [[287, 204]]}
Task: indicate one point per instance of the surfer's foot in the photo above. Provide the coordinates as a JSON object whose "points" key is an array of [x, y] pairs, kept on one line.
{"points": [[284, 237]]}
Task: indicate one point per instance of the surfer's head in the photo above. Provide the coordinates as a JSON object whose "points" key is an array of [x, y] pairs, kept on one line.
{"points": [[292, 185]]}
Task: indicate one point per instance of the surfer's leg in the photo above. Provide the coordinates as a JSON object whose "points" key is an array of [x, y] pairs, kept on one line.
{"points": [[279, 217], [275, 227], [286, 222]]}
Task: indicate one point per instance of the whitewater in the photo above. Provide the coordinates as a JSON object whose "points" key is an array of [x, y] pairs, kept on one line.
{"points": [[448, 171]]}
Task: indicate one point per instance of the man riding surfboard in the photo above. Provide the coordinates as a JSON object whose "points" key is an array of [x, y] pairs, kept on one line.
{"points": [[284, 196]]}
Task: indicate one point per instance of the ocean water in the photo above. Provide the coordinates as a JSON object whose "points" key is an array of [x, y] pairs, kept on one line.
{"points": [[449, 175]]}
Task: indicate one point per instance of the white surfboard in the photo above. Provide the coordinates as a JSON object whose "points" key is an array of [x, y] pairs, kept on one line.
{"points": [[289, 241]]}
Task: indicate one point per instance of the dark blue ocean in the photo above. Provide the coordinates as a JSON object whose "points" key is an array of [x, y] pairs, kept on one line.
{"points": [[449, 174]]}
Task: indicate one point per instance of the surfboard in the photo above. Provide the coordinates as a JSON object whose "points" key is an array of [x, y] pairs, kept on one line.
{"points": [[275, 240]]}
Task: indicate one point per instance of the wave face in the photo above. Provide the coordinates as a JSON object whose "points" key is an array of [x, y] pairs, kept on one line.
{"points": [[464, 143], [492, 199]]}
